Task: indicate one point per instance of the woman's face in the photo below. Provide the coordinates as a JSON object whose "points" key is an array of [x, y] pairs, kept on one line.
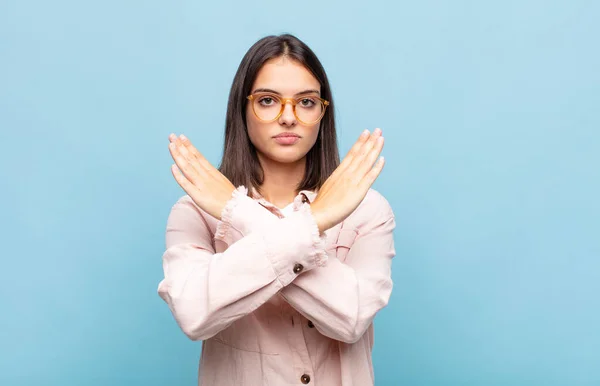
{"points": [[285, 78]]}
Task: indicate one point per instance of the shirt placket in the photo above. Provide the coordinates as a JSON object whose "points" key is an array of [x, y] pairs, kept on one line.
{"points": [[302, 364]]}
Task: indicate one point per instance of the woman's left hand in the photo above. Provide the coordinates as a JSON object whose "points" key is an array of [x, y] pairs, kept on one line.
{"points": [[205, 184]]}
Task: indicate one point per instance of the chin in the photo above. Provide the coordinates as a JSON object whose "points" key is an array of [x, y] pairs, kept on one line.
{"points": [[286, 157]]}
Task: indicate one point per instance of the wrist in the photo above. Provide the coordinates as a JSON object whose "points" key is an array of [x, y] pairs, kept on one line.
{"points": [[319, 220]]}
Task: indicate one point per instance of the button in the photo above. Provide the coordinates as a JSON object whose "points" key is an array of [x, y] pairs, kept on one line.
{"points": [[304, 198], [305, 378], [310, 324], [298, 268]]}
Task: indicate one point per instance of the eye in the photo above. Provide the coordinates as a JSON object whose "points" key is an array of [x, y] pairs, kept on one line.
{"points": [[267, 101], [307, 102]]}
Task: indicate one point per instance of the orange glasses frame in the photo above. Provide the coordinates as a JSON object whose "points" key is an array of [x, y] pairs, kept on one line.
{"points": [[293, 101]]}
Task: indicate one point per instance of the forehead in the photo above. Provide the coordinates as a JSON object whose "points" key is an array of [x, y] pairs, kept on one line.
{"points": [[286, 76]]}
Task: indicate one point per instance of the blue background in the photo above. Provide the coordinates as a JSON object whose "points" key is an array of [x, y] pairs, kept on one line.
{"points": [[490, 113]]}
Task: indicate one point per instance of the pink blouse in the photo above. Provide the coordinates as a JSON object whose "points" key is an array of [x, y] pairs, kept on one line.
{"points": [[274, 302]]}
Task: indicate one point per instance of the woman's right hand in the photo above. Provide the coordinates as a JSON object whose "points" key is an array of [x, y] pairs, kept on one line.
{"points": [[348, 185]]}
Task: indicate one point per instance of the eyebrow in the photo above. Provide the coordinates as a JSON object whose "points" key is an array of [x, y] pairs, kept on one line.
{"points": [[278, 93]]}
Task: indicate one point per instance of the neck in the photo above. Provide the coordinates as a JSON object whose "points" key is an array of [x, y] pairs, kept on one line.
{"points": [[280, 181]]}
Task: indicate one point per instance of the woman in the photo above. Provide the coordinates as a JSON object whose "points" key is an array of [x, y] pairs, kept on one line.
{"points": [[280, 259]]}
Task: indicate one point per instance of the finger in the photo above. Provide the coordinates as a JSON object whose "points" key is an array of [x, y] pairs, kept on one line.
{"points": [[186, 167], [370, 143], [185, 147], [371, 156], [204, 168], [372, 175], [359, 159], [183, 181], [193, 152], [364, 136]]}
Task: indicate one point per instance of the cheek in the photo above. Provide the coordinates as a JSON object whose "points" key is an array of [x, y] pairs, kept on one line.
{"points": [[314, 134], [253, 128]]}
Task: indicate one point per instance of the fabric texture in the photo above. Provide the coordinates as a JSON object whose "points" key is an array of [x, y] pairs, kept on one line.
{"points": [[275, 302]]}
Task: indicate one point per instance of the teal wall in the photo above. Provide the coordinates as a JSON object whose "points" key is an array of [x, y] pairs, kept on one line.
{"points": [[491, 116]]}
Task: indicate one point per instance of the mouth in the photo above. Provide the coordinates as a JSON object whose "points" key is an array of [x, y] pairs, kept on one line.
{"points": [[286, 138], [287, 135]]}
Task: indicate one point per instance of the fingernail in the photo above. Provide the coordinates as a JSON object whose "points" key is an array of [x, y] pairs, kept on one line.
{"points": [[182, 137], [377, 131], [364, 133]]}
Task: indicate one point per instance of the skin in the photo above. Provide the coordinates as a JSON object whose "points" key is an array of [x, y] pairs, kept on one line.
{"points": [[339, 196], [283, 165]]}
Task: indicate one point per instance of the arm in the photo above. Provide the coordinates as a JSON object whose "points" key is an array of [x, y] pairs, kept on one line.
{"points": [[207, 291], [342, 299]]}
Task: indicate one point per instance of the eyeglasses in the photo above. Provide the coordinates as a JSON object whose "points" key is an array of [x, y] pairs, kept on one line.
{"points": [[269, 107]]}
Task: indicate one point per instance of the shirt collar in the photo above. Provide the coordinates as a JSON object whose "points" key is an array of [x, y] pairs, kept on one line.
{"points": [[310, 195]]}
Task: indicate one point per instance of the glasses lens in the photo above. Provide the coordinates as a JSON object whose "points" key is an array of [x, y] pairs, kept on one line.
{"points": [[266, 107], [309, 109]]}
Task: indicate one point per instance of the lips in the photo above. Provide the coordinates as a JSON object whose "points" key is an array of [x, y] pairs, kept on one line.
{"points": [[286, 138], [287, 135]]}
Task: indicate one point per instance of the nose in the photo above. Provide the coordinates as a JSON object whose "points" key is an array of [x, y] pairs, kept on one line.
{"points": [[287, 117]]}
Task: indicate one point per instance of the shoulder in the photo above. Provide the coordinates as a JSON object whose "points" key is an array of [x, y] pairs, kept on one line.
{"points": [[374, 209], [375, 203], [187, 223], [186, 210], [185, 203], [373, 197]]}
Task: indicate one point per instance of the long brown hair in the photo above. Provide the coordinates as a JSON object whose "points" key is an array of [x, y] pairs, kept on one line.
{"points": [[240, 162]]}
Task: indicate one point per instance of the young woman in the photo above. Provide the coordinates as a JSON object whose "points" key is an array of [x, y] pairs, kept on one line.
{"points": [[280, 259]]}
